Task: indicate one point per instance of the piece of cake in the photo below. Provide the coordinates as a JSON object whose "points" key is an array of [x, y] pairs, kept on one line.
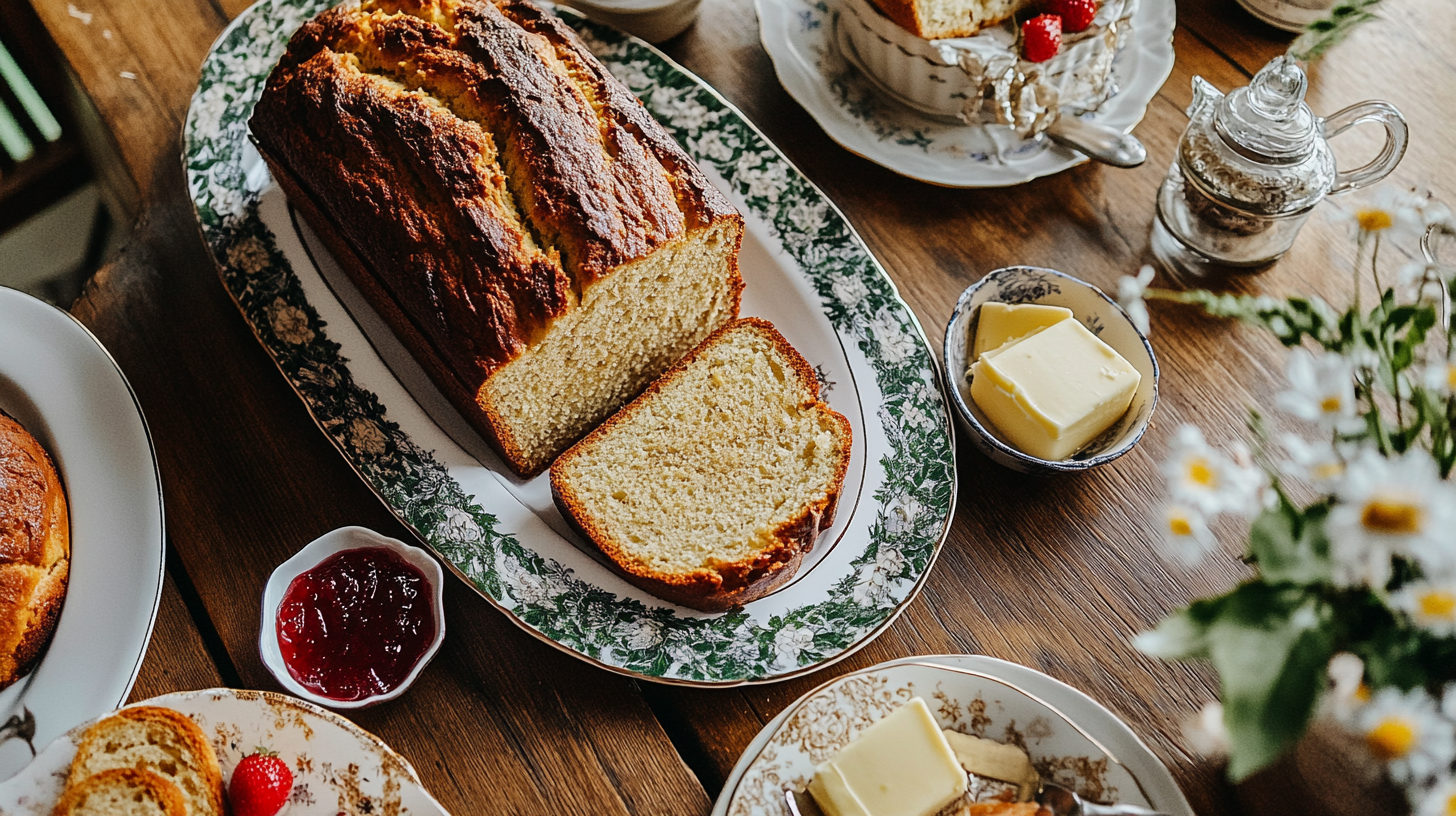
{"points": [[533, 236], [709, 488], [157, 740], [938, 19], [35, 549]]}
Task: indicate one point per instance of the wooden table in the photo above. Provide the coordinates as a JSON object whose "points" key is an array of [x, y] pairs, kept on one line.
{"points": [[1057, 574]]}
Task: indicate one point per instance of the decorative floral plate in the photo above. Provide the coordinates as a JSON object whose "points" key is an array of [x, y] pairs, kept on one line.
{"points": [[805, 270], [338, 768], [1071, 739], [800, 38], [60, 383]]}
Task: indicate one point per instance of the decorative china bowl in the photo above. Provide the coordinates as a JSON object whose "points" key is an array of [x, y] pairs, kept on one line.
{"points": [[335, 541], [1099, 313], [937, 77], [972, 701], [652, 20]]}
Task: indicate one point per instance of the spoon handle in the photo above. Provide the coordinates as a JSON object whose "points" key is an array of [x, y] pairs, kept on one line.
{"points": [[1090, 809], [1099, 142]]}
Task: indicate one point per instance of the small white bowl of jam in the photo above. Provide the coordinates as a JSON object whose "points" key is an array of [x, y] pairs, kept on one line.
{"points": [[352, 619]]}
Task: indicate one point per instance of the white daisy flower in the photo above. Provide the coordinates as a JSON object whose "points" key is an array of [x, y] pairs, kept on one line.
{"points": [[1439, 800], [1130, 292], [1398, 214], [1440, 377], [1348, 692], [1431, 605], [1322, 389], [1203, 479], [1407, 732], [1206, 733], [1315, 462], [1388, 507], [1186, 537]]}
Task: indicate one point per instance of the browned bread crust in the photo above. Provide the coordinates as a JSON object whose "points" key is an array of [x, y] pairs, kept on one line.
{"points": [[35, 549], [725, 586], [473, 168], [150, 786], [197, 751]]}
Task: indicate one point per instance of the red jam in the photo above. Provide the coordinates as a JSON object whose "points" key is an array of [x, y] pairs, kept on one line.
{"points": [[355, 625]]}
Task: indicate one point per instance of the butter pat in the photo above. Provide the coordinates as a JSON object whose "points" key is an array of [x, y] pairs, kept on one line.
{"points": [[1002, 323], [900, 766], [1052, 393]]}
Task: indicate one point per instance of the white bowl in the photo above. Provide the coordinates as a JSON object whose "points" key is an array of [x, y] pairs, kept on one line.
{"points": [[1099, 313], [652, 20], [334, 541]]}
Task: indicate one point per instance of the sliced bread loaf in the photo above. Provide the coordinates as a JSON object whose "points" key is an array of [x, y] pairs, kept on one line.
{"points": [[122, 792], [160, 741], [709, 488]]}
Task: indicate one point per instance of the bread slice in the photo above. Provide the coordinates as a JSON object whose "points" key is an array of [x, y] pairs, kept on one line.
{"points": [[35, 549], [938, 19], [122, 792], [158, 740], [709, 488], [539, 243]]}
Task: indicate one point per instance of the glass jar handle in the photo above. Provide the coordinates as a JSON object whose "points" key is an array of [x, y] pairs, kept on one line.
{"points": [[1396, 136]]}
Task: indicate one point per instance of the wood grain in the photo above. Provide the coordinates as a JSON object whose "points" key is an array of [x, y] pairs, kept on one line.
{"points": [[177, 659], [1055, 573]]}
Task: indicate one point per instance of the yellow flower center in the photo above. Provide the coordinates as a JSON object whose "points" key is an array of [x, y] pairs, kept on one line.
{"points": [[1331, 405], [1362, 692], [1391, 739], [1374, 220], [1391, 516], [1200, 472], [1328, 470], [1451, 376], [1179, 525], [1438, 603], [1450, 805]]}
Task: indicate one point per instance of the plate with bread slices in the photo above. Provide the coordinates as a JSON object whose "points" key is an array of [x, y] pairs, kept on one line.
{"points": [[215, 752], [583, 329], [81, 529]]}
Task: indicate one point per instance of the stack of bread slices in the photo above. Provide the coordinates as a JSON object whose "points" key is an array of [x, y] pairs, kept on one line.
{"points": [[143, 761]]}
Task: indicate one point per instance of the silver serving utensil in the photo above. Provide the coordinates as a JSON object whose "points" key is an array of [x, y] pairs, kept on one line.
{"points": [[1065, 802], [1098, 142], [800, 804]]}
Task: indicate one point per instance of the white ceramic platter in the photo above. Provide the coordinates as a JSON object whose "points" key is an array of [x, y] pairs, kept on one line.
{"points": [[800, 37], [1071, 738], [805, 270], [60, 383], [338, 768]]}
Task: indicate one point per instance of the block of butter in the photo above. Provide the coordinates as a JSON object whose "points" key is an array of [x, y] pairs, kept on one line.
{"points": [[900, 766], [1000, 323], [1053, 392]]}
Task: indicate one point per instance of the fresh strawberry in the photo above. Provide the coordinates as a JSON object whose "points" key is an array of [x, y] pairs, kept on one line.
{"points": [[1041, 37], [1076, 14], [260, 785]]}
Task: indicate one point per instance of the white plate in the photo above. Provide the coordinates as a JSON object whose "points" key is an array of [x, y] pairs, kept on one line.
{"points": [[799, 36], [1062, 728], [338, 768], [805, 270], [62, 385]]}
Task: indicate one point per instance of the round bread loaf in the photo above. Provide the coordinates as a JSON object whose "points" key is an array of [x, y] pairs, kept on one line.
{"points": [[35, 549]]}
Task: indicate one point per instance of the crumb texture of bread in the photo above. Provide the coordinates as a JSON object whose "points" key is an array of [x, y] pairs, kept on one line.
{"points": [[709, 488], [480, 175], [939, 19], [122, 792], [158, 740], [35, 549]]}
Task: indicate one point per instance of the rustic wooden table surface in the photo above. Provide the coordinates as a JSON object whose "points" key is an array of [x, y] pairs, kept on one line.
{"points": [[1056, 574]]}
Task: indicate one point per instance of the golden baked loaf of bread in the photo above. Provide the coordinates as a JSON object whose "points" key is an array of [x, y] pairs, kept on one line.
{"points": [[157, 740], [534, 237], [709, 489], [938, 19], [122, 792], [35, 549]]}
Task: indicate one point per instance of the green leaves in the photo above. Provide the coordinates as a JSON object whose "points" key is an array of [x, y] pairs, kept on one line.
{"points": [[1289, 320], [1322, 35], [1290, 546]]}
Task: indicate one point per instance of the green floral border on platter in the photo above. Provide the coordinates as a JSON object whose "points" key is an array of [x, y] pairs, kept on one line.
{"points": [[914, 503]]}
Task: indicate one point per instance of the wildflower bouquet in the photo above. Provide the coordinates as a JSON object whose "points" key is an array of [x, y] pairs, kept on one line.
{"points": [[1358, 583]]}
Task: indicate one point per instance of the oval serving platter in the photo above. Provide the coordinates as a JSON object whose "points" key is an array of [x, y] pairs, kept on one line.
{"points": [[805, 270]]}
